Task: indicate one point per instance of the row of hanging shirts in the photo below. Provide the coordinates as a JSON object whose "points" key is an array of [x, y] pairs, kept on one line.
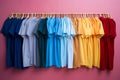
{"points": [[80, 46]]}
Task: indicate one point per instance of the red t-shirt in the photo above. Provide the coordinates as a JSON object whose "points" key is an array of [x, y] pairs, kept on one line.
{"points": [[107, 44], [112, 35], [103, 44]]}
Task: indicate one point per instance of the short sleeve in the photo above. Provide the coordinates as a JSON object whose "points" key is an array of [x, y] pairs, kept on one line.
{"points": [[75, 25], [82, 26], [52, 25], [98, 28], [43, 27], [5, 26], [45, 31], [31, 25], [101, 30], [72, 30], [13, 26], [112, 29], [18, 26], [66, 29], [40, 27], [23, 28], [36, 29], [91, 28], [86, 27], [105, 25], [67, 26], [79, 26], [59, 29]]}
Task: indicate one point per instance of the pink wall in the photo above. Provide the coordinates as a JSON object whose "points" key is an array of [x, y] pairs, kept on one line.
{"points": [[59, 6]]}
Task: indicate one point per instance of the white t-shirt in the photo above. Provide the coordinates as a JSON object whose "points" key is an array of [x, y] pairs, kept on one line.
{"points": [[35, 32], [31, 24], [29, 41], [25, 46]]}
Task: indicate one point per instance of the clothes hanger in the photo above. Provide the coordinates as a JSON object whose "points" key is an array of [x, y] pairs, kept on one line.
{"points": [[34, 14], [27, 15], [104, 15], [11, 16], [16, 15], [38, 15], [109, 15], [31, 15], [43, 15], [80, 15], [20, 15], [23, 15]]}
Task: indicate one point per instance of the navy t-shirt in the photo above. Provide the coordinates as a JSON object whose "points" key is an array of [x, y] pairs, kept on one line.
{"points": [[18, 46], [5, 30], [11, 32]]}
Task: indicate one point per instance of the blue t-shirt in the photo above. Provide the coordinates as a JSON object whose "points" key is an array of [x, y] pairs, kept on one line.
{"points": [[18, 46], [53, 43], [50, 46], [11, 33], [57, 39], [5, 30]]}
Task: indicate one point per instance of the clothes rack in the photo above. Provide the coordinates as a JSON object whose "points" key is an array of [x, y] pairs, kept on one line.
{"points": [[62, 40], [19, 15]]}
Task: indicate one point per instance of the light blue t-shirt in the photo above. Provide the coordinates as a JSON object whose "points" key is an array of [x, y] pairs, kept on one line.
{"points": [[67, 43], [63, 44]]}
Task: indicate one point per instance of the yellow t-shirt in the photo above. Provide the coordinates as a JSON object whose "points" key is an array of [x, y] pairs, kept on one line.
{"points": [[76, 39], [98, 33], [82, 41], [89, 43]]}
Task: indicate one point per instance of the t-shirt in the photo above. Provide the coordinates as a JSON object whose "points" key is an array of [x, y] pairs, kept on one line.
{"points": [[59, 39], [68, 33], [9, 56], [18, 45], [112, 35], [25, 45], [107, 44], [89, 42], [83, 60], [13, 45], [98, 33], [104, 44], [42, 41], [31, 24], [76, 40], [35, 33], [53, 42], [50, 51], [63, 45]]}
